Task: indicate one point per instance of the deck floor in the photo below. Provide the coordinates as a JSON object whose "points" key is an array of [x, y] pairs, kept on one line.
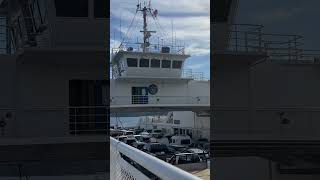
{"points": [[204, 174]]}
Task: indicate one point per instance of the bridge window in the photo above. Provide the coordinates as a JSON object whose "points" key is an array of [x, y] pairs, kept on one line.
{"points": [[144, 62], [155, 63], [132, 62], [176, 121], [100, 8], [166, 64], [72, 8], [176, 64]]}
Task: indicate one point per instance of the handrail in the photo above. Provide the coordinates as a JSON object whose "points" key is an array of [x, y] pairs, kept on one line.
{"points": [[135, 47], [153, 100], [156, 166], [81, 120]]}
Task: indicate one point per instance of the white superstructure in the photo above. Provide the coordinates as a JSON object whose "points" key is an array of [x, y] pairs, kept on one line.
{"points": [[179, 123], [149, 78], [52, 79]]}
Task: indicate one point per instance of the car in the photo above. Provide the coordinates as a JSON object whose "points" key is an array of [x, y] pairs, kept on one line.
{"points": [[158, 150], [139, 144], [126, 132], [204, 155], [122, 138], [142, 138], [188, 161], [184, 158], [155, 148], [201, 142], [184, 140], [130, 140], [177, 148]]}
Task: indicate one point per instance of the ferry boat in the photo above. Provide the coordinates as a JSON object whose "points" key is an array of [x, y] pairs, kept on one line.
{"points": [[53, 113], [266, 100], [148, 78]]}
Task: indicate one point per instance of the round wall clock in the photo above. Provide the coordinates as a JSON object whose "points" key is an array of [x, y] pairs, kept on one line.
{"points": [[153, 89]]}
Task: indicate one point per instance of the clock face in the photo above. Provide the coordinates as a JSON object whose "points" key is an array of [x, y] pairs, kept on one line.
{"points": [[153, 89]]}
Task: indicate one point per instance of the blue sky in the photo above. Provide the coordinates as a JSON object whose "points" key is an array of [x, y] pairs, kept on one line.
{"points": [[191, 24]]}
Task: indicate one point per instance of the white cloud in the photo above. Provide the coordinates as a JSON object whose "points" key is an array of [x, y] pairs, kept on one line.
{"points": [[196, 66], [190, 18]]}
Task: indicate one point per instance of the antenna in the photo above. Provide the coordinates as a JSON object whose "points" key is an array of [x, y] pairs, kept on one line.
{"points": [[120, 26], [114, 39], [172, 33], [146, 33], [175, 38]]}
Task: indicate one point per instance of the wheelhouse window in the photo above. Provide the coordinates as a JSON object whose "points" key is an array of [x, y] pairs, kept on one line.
{"points": [[176, 64], [100, 8], [176, 121], [166, 64], [132, 62], [72, 8], [144, 63], [155, 63]]}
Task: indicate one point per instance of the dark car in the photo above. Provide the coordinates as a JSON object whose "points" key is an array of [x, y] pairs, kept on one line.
{"points": [[155, 148], [130, 141], [201, 142], [177, 148], [204, 155], [139, 145], [184, 158], [158, 150]]}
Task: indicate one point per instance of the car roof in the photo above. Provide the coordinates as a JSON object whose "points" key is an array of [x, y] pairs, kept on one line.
{"points": [[122, 136], [185, 154], [196, 150]]}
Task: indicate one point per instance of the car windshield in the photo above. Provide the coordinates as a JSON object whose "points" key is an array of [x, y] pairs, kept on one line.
{"points": [[158, 147], [130, 140], [185, 141]]}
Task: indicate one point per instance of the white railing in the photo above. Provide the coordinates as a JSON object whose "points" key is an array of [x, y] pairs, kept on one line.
{"points": [[80, 120], [188, 73], [128, 163], [161, 100], [88, 120]]}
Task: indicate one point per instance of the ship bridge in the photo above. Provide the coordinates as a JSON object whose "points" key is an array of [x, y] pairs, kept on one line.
{"points": [[150, 77]]}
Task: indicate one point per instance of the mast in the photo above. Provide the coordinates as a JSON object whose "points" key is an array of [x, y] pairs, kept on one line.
{"points": [[146, 33], [144, 28]]}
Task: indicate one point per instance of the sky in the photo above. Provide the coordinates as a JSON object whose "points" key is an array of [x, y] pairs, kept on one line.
{"points": [[191, 24]]}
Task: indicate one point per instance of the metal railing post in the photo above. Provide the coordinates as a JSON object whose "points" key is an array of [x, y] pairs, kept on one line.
{"points": [[246, 40], [260, 39], [236, 30], [295, 47], [289, 49], [75, 121]]}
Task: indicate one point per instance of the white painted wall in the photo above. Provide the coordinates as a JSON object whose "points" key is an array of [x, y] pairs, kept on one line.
{"points": [[251, 168], [34, 83], [165, 88], [187, 118], [87, 32], [269, 87]]}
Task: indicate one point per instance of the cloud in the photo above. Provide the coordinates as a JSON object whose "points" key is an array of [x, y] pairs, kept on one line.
{"points": [[196, 66], [191, 22]]}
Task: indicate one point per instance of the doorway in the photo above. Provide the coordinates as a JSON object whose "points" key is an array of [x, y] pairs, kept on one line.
{"points": [[139, 95]]}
